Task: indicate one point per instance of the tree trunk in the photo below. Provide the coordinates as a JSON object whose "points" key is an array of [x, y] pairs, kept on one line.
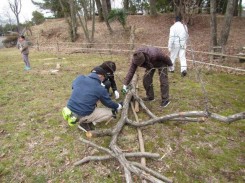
{"points": [[240, 8], [213, 23], [93, 21], [84, 23], [126, 5], [105, 14], [108, 2], [227, 23], [73, 21], [85, 10], [236, 8], [178, 7], [153, 9], [99, 8]]}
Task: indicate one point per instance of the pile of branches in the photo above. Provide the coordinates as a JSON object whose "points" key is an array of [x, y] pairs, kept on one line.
{"points": [[115, 152]]}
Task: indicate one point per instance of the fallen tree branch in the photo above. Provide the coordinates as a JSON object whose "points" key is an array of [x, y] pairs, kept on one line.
{"points": [[101, 133], [142, 104], [157, 175], [167, 117], [182, 115], [107, 157], [228, 119]]}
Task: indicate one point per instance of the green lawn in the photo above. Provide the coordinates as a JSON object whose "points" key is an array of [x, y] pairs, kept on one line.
{"points": [[37, 145]]}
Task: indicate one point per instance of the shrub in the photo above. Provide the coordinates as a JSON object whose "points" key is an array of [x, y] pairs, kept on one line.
{"points": [[10, 40], [119, 15]]}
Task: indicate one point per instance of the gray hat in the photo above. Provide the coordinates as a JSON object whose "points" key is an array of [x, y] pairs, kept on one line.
{"points": [[138, 58], [99, 70]]}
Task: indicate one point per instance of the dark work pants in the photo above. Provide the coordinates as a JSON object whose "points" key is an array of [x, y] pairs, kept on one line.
{"points": [[148, 84]]}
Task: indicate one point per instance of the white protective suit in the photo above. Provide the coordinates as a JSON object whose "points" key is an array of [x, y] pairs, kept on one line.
{"points": [[177, 44]]}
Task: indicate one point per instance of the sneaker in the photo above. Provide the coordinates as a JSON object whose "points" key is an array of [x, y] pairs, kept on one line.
{"points": [[165, 103], [27, 68], [183, 73], [148, 99], [86, 127]]}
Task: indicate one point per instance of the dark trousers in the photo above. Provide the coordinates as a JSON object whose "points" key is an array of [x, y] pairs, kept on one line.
{"points": [[148, 84]]}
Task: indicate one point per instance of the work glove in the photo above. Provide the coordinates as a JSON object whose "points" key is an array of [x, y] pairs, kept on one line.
{"points": [[120, 106], [116, 93], [125, 89], [115, 111]]}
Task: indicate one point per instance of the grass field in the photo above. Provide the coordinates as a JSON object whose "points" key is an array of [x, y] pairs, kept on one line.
{"points": [[38, 146]]}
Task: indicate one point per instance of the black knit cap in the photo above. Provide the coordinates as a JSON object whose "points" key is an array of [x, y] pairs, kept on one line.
{"points": [[99, 70], [108, 66]]}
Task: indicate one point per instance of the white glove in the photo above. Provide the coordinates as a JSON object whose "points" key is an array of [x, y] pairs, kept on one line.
{"points": [[102, 84], [169, 49], [21, 49], [119, 107], [125, 89], [116, 93]]}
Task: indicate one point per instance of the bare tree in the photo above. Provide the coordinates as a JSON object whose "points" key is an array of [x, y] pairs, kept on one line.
{"points": [[9, 19], [108, 2], [70, 18], [240, 8], [99, 8], [84, 23], [213, 23], [227, 23], [153, 9], [15, 7], [105, 14], [236, 8], [126, 4]]}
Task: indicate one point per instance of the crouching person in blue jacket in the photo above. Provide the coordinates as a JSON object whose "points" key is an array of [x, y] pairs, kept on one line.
{"points": [[86, 92]]}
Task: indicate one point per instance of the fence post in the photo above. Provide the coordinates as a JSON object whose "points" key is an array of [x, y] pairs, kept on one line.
{"points": [[57, 49], [38, 43]]}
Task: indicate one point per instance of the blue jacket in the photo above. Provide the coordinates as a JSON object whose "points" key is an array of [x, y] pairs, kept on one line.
{"points": [[87, 90]]}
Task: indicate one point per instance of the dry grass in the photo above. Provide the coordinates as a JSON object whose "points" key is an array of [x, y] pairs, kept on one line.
{"points": [[38, 146]]}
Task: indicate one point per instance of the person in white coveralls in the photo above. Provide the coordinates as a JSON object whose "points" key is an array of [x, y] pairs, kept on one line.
{"points": [[177, 45]]}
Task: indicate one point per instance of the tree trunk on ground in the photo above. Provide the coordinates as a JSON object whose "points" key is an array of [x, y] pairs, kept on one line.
{"points": [[153, 9], [99, 8], [213, 23], [227, 23], [105, 14]]}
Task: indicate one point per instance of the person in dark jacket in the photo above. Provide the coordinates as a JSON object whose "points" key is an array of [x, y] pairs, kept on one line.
{"points": [[109, 82], [86, 92], [151, 58]]}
